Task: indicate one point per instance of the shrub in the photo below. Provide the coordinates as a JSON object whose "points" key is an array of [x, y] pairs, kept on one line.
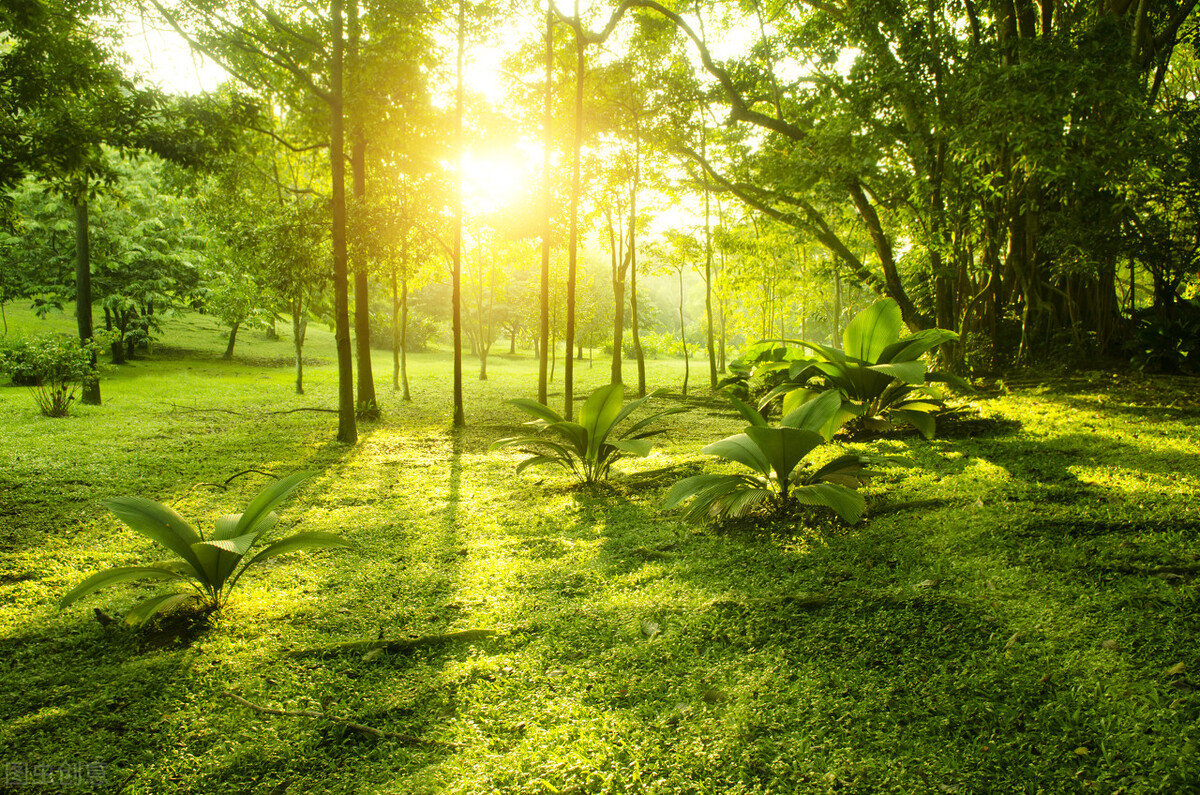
{"points": [[776, 454], [879, 374], [1167, 344], [210, 567], [54, 366], [584, 448]]}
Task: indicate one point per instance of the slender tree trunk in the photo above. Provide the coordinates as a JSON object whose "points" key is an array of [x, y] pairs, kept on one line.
{"points": [[573, 245], [619, 266], [83, 293], [358, 168], [299, 327], [835, 332], [633, 196], [347, 422], [395, 328], [637, 340], [456, 299], [406, 395], [687, 365], [118, 346], [547, 212], [708, 263], [233, 330]]}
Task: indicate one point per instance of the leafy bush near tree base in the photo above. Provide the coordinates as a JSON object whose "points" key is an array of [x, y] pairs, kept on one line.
{"points": [[54, 366]]}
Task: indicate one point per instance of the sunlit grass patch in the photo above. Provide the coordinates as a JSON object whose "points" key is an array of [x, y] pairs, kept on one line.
{"points": [[1010, 615]]}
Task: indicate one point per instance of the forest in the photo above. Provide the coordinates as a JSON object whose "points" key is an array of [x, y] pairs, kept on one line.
{"points": [[765, 396]]}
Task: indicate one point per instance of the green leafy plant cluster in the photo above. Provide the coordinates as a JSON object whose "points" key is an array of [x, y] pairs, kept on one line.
{"points": [[1167, 344], [588, 448], [54, 366], [210, 567], [881, 376], [776, 454]]}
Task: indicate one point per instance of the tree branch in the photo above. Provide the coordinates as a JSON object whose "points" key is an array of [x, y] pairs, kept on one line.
{"points": [[740, 109], [358, 727]]}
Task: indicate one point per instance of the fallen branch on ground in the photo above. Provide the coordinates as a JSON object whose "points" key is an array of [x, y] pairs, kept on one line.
{"points": [[399, 646], [358, 727]]}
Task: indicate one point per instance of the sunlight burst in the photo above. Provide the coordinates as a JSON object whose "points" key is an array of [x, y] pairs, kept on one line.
{"points": [[493, 180]]}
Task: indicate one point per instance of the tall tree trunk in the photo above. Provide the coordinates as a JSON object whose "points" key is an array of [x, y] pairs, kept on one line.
{"points": [[83, 292], [118, 346], [395, 327], [233, 330], [299, 328], [367, 400], [708, 262], [687, 365], [835, 332], [347, 422], [460, 418], [406, 395], [573, 245], [633, 197], [620, 264], [547, 143]]}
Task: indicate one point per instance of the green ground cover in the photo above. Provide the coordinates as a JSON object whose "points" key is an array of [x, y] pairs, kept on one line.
{"points": [[1017, 613]]}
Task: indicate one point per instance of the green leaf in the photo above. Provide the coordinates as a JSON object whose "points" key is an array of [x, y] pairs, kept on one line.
{"points": [[784, 447], [221, 556], [598, 414], [158, 523], [847, 503], [575, 435], [922, 421], [909, 372], [690, 487], [226, 526], [743, 449], [267, 499], [299, 541], [751, 414], [541, 460], [916, 345], [535, 409], [142, 611], [639, 447], [872, 330], [815, 414], [114, 576], [637, 426]]}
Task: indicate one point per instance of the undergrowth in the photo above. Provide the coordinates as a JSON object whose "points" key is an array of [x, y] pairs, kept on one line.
{"points": [[1017, 612]]}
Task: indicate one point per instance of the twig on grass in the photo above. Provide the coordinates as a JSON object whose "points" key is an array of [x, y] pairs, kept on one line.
{"points": [[358, 727], [194, 410], [399, 646], [225, 486], [293, 411]]}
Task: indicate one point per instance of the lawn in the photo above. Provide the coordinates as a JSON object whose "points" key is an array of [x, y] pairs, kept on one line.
{"points": [[1018, 612]]}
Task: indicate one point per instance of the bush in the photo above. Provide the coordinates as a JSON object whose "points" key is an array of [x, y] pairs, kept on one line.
{"points": [[421, 330], [54, 366], [1167, 345]]}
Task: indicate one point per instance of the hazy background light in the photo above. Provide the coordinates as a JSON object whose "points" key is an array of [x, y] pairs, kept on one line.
{"points": [[164, 59]]}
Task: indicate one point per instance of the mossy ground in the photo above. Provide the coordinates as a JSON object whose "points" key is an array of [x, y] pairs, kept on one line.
{"points": [[1017, 613]]}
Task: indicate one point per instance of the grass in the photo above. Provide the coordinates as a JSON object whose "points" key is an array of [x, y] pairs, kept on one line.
{"points": [[1017, 613]]}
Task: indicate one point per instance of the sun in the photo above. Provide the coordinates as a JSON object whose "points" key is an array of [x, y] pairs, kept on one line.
{"points": [[494, 180]]}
